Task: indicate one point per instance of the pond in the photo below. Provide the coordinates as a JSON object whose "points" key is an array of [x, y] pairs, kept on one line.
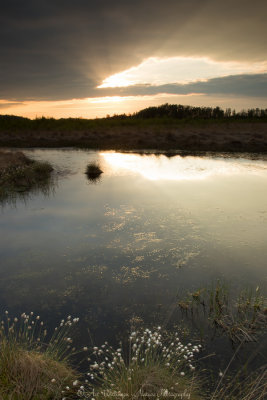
{"points": [[125, 246]]}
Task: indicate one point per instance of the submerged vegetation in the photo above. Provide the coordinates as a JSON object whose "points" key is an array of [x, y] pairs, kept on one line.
{"points": [[241, 317], [19, 173]]}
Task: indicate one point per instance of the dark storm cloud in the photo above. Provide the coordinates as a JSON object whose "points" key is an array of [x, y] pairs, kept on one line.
{"points": [[55, 49], [239, 85]]}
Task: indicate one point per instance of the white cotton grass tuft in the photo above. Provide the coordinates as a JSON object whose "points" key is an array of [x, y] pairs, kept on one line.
{"points": [[145, 349], [31, 332]]}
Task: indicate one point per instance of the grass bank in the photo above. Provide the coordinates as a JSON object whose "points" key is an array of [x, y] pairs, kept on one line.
{"points": [[168, 134], [19, 173]]}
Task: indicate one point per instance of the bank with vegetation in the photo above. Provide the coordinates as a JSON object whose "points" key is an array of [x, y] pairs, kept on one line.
{"points": [[37, 363], [167, 127]]}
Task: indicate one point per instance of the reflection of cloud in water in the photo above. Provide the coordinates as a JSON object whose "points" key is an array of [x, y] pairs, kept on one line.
{"points": [[149, 237], [131, 274], [176, 242], [160, 167]]}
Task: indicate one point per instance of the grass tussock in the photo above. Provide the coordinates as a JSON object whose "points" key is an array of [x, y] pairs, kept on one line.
{"points": [[152, 381], [19, 173], [93, 171], [151, 364], [32, 366], [32, 375]]}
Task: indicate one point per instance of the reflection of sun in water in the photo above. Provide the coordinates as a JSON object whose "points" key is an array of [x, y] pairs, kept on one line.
{"points": [[178, 168]]}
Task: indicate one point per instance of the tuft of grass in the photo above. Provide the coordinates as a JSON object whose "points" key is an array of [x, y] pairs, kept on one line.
{"points": [[32, 367], [19, 173], [31, 375], [93, 171], [152, 365]]}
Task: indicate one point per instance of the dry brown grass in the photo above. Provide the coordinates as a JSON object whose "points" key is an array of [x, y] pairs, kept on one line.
{"points": [[10, 159], [152, 381], [251, 387], [26, 375], [33, 367], [205, 136], [18, 173]]}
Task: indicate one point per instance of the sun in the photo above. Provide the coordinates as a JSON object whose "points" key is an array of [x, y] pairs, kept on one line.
{"points": [[116, 80]]}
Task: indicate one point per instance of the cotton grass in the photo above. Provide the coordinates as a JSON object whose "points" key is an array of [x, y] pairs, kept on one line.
{"points": [[33, 366], [151, 364]]}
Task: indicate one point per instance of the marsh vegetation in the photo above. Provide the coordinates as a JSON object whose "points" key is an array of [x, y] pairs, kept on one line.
{"points": [[167, 127], [93, 171], [36, 363], [32, 367], [126, 266], [19, 174], [242, 316]]}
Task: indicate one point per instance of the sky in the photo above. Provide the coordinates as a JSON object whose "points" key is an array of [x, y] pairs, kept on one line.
{"points": [[90, 58]]}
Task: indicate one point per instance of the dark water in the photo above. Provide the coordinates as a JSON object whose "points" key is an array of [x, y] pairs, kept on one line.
{"points": [[125, 246]]}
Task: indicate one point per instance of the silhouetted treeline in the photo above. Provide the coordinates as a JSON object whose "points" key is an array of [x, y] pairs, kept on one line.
{"points": [[181, 112], [165, 111]]}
